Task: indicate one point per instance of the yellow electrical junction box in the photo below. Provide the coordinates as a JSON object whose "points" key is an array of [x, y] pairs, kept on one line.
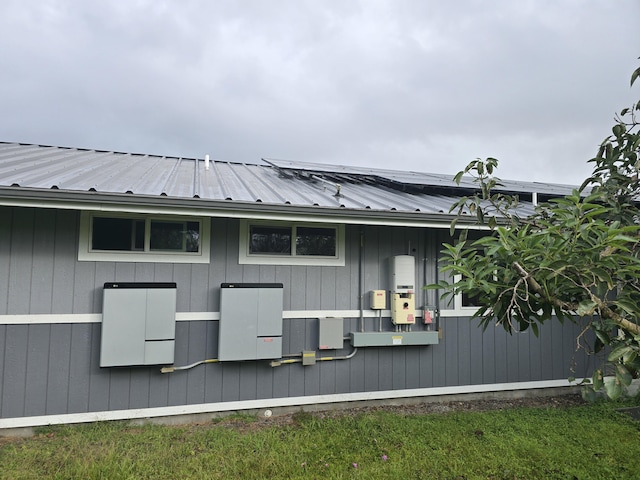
{"points": [[403, 308], [378, 299]]}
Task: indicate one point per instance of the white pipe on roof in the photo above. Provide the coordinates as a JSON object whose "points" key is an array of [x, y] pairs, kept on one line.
{"points": [[206, 162]]}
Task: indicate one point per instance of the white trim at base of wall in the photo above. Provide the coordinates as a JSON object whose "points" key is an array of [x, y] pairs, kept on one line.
{"points": [[147, 413]]}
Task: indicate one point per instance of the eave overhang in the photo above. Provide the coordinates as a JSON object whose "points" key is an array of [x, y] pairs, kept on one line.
{"points": [[108, 202]]}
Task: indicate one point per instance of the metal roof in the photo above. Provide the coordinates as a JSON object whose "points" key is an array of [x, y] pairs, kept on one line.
{"points": [[275, 182]]}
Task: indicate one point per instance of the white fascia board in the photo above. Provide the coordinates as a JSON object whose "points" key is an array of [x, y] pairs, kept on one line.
{"points": [[228, 209], [204, 408]]}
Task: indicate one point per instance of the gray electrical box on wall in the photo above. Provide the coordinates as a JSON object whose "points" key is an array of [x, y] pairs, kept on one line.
{"points": [[331, 336], [138, 324], [250, 321]]}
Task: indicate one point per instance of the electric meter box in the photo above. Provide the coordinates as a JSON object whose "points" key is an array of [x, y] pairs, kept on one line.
{"points": [[138, 324], [250, 321], [403, 274], [378, 299]]}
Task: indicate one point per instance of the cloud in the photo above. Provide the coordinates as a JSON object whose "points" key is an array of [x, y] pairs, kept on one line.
{"points": [[416, 85]]}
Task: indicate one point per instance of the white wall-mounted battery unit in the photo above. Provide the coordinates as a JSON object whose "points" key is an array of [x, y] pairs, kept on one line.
{"points": [[250, 321], [138, 324]]}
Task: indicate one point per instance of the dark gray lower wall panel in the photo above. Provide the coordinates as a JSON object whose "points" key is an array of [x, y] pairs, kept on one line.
{"points": [[14, 355], [54, 369], [37, 369]]}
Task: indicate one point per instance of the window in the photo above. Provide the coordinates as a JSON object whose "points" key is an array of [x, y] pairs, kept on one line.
{"points": [[142, 238], [465, 301], [470, 301], [280, 243]]}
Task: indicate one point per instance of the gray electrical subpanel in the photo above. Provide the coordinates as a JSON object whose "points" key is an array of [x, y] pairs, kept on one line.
{"points": [[250, 321], [138, 324], [331, 335]]}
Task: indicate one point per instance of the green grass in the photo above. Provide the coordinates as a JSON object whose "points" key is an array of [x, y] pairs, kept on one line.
{"points": [[583, 442]]}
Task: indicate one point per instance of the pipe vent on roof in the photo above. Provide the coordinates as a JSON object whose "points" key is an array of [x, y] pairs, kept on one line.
{"points": [[206, 162]]}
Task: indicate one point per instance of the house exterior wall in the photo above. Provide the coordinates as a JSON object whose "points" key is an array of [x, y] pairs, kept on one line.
{"points": [[53, 368]]}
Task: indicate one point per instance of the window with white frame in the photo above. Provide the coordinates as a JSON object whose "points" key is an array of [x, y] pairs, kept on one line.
{"points": [[284, 243], [143, 238], [463, 300]]}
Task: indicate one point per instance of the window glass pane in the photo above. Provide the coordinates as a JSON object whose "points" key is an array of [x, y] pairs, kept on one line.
{"points": [[175, 236], [269, 240], [115, 234], [316, 241], [469, 301], [193, 236], [139, 235]]}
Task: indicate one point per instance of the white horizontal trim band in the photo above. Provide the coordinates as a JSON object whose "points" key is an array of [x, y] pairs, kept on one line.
{"points": [[141, 413], [50, 318], [246, 210], [46, 318]]}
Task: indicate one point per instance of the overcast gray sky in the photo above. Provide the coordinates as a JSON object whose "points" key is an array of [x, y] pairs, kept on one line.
{"points": [[403, 84]]}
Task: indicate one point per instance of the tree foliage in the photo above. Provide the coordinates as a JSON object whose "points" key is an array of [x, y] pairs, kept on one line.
{"points": [[575, 257]]}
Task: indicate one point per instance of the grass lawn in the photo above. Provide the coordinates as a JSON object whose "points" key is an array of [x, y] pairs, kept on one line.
{"points": [[584, 442]]}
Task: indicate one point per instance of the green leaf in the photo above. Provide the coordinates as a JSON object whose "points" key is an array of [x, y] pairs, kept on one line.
{"points": [[635, 75], [589, 394], [619, 352], [613, 387], [603, 276], [602, 339], [586, 307], [629, 357], [623, 374], [624, 238], [618, 130], [598, 381], [627, 305]]}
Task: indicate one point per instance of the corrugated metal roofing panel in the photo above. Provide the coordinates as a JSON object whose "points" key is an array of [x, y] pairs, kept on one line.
{"points": [[270, 182]]}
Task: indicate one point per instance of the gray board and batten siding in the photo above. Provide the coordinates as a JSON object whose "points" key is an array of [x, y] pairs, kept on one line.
{"points": [[53, 368]]}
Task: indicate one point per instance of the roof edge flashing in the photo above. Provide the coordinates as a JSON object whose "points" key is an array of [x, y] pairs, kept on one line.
{"points": [[198, 207]]}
